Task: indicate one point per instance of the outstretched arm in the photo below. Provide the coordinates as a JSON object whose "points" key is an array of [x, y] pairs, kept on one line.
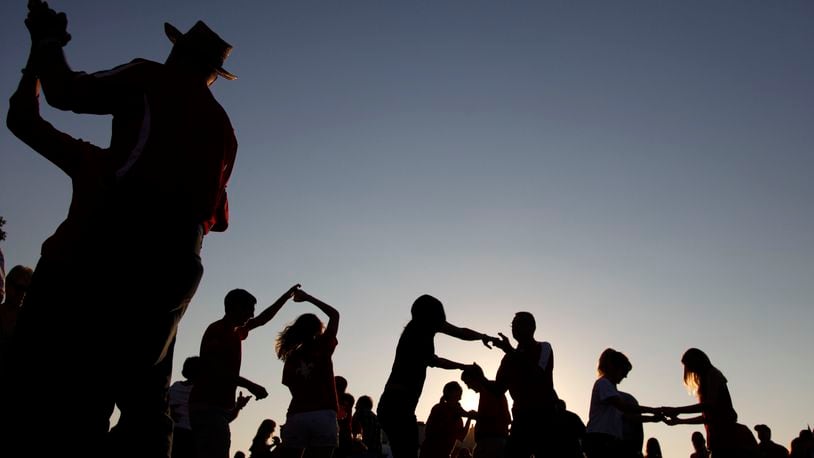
{"points": [[673, 411], [443, 363], [467, 334], [699, 420], [333, 315], [266, 315]]}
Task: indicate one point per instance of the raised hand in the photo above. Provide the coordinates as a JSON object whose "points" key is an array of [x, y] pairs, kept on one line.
{"points": [[293, 290], [242, 400], [45, 24]]}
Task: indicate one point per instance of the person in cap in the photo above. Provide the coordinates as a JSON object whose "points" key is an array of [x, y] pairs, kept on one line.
{"points": [[767, 447], [106, 299]]}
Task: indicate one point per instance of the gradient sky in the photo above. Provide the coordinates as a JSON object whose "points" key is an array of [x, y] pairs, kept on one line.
{"points": [[637, 174]]}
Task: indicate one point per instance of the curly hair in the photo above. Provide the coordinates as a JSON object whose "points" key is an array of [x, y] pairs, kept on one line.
{"points": [[303, 330]]}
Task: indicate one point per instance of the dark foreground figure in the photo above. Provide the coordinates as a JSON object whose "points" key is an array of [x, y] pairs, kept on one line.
{"points": [[97, 328]]}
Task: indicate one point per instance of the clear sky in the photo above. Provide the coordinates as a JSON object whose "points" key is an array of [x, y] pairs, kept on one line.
{"points": [[637, 174]]}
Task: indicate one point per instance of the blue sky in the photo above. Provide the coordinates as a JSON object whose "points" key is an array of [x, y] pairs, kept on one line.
{"points": [[637, 174]]}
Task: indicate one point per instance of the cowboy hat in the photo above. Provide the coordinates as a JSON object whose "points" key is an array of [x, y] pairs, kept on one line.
{"points": [[203, 43]]}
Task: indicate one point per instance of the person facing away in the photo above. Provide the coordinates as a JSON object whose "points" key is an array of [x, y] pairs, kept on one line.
{"points": [[527, 373], [171, 154], [725, 436], [652, 449], [493, 418], [570, 432], [183, 442], [212, 400], [415, 353], [605, 429], [699, 445], [17, 282], [445, 425], [306, 348], [767, 447], [264, 443], [366, 423], [344, 418]]}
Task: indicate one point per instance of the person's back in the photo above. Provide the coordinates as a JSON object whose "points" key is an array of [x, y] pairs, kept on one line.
{"points": [[444, 427], [369, 424], [173, 181]]}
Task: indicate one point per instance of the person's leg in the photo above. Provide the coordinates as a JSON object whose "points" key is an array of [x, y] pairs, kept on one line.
{"points": [[148, 320], [402, 433], [210, 429]]}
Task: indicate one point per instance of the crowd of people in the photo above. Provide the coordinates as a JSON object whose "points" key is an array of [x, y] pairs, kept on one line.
{"points": [[171, 155]]}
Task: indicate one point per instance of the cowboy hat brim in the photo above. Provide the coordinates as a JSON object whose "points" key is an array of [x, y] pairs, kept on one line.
{"points": [[174, 35]]}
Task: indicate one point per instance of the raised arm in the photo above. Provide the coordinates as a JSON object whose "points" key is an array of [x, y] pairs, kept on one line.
{"points": [[266, 315], [26, 123], [65, 89], [333, 315]]}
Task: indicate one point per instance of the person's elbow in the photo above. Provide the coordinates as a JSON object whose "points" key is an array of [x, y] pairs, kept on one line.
{"points": [[16, 122], [58, 99]]}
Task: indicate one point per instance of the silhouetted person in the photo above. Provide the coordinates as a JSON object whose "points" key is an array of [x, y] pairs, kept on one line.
{"points": [[605, 429], [570, 433], [18, 281], [164, 175], [527, 372], [767, 447], [306, 347], [345, 424], [212, 400], [653, 448], [802, 446], [493, 419], [344, 416], [445, 425], [699, 445], [415, 352], [725, 436], [264, 443], [368, 426], [183, 442]]}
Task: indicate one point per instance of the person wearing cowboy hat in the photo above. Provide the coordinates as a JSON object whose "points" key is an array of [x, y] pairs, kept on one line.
{"points": [[134, 264]]}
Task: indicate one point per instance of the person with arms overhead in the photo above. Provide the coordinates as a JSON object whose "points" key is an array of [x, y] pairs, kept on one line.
{"points": [[212, 401], [306, 347], [154, 194]]}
